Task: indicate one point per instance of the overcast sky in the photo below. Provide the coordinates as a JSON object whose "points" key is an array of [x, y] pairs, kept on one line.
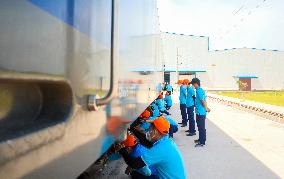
{"points": [[228, 23]]}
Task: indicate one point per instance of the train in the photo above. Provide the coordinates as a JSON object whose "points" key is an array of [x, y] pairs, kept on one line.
{"points": [[67, 67]]}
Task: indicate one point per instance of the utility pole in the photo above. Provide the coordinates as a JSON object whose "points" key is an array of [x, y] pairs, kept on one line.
{"points": [[177, 65]]}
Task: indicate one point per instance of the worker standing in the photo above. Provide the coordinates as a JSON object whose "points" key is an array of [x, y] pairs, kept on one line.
{"points": [[182, 99], [201, 110], [164, 154], [190, 98]]}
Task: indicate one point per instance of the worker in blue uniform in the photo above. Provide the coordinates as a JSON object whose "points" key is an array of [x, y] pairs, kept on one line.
{"points": [[135, 150], [190, 98], [163, 154], [182, 99], [169, 88], [173, 126], [155, 110], [201, 110], [168, 100], [161, 105]]}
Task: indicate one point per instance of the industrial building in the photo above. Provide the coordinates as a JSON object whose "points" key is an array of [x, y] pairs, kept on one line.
{"points": [[189, 56]]}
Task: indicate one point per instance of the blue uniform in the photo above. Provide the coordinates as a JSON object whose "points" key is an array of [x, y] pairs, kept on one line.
{"points": [[156, 111], [173, 126], [182, 99], [138, 151], [182, 94], [168, 100], [189, 98], [146, 125], [169, 87], [171, 121], [161, 104], [200, 95], [200, 114], [190, 109], [166, 158]]}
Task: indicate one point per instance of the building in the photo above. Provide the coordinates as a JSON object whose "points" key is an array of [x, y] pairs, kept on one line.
{"points": [[189, 56]]}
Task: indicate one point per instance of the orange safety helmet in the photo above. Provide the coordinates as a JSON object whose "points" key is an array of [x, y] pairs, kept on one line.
{"points": [[130, 141], [145, 114], [186, 81], [179, 82], [160, 96], [161, 124]]}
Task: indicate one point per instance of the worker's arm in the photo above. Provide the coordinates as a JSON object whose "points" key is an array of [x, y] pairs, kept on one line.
{"points": [[141, 137], [204, 103], [133, 162]]}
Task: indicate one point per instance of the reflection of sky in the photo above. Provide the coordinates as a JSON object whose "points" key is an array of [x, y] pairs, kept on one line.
{"points": [[91, 17], [137, 19]]}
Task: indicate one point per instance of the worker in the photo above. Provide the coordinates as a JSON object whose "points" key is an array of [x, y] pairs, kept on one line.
{"points": [[135, 150], [169, 88], [164, 154], [146, 116], [161, 105], [173, 126], [190, 98], [182, 99], [168, 100], [179, 83], [201, 110], [155, 110]]}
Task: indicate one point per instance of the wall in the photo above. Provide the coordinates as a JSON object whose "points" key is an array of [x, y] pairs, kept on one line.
{"points": [[221, 66]]}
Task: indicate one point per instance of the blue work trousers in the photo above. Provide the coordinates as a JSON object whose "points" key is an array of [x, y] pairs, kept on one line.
{"points": [[173, 129], [200, 120], [183, 114], [190, 118]]}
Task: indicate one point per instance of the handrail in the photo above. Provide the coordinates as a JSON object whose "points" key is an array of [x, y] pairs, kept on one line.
{"points": [[113, 60]]}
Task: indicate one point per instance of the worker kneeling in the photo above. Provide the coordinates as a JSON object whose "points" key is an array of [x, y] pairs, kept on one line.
{"points": [[164, 154], [135, 150]]}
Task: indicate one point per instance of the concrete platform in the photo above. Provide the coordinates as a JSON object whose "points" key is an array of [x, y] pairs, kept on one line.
{"points": [[239, 145]]}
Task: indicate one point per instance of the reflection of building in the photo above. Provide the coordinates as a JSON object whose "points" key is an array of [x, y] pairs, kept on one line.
{"points": [[221, 69]]}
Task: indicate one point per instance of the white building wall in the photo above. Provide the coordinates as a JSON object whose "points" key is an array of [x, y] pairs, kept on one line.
{"points": [[222, 66]]}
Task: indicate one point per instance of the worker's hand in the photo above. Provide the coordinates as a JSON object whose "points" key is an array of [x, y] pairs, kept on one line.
{"points": [[115, 125], [118, 146], [208, 110]]}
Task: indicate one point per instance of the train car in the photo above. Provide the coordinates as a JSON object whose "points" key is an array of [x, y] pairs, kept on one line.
{"points": [[67, 67]]}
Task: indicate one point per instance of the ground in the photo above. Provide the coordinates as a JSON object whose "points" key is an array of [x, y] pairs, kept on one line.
{"points": [[239, 145], [273, 97]]}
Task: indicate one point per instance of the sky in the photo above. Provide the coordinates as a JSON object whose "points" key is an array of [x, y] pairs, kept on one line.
{"points": [[227, 23]]}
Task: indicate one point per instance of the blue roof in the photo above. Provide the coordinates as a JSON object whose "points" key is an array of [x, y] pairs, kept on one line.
{"points": [[143, 70], [245, 76], [192, 70], [185, 70]]}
